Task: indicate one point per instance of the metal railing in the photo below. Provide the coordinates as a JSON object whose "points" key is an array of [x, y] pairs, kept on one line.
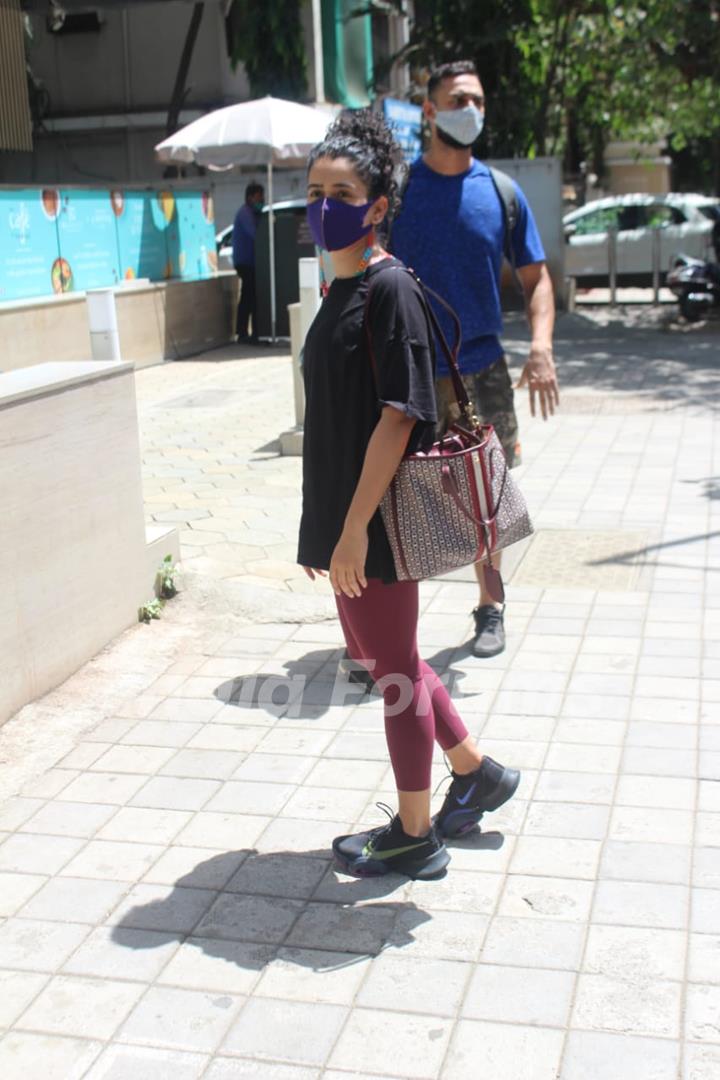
{"points": [[612, 262]]}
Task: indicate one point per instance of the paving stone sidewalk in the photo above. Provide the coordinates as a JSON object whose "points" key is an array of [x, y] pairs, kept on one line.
{"points": [[167, 905]]}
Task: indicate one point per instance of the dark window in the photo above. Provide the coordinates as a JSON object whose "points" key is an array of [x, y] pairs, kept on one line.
{"points": [[74, 22], [661, 215], [630, 217]]}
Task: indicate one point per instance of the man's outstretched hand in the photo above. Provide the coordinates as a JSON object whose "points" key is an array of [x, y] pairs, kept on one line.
{"points": [[540, 377]]}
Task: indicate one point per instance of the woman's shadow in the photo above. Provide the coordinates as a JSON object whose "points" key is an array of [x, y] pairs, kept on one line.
{"points": [[314, 683], [247, 908]]}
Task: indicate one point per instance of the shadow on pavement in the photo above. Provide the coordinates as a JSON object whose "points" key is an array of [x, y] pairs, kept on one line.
{"points": [[709, 486], [314, 683], [242, 907], [633, 556], [671, 367], [476, 840]]}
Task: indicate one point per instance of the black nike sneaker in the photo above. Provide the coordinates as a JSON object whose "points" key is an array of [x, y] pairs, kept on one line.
{"points": [[389, 849], [474, 794]]}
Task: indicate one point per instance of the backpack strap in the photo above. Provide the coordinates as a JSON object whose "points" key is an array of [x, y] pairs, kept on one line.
{"points": [[507, 194]]}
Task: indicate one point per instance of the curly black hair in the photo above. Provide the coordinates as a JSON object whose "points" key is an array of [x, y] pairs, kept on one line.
{"points": [[364, 138]]}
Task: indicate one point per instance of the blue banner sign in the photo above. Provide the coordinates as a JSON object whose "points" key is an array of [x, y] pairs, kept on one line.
{"points": [[191, 247], [29, 244], [406, 121], [143, 218], [88, 240], [71, 239]]}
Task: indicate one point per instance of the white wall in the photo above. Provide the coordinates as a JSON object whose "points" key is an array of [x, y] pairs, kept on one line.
{"points": [[127, 67], [229, 189], [74, 567], [541, 182], [131, 62]]}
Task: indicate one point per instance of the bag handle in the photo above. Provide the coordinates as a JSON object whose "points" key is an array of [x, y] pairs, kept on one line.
{"points": [[451, 354], [493, 579], [450, 488]]}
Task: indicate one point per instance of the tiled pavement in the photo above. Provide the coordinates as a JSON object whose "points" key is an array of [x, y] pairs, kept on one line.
{"points": [[167, 907]]}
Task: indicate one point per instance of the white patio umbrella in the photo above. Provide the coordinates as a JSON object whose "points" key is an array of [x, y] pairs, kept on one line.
{"points": [[268, 131]]}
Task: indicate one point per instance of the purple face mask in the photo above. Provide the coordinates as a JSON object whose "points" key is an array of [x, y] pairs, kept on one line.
{"points": [[335, 224]]}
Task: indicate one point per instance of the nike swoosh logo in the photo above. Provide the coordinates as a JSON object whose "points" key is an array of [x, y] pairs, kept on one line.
{"points": [[468, 795], [389, 853]]}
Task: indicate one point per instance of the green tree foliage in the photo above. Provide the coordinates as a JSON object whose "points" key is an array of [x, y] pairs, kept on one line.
{"points": [[267, 38], [566, 76], [486, 33]]}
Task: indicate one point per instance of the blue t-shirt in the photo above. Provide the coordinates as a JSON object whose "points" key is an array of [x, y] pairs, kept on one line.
{"points": [[450, 230], [243, 236]]}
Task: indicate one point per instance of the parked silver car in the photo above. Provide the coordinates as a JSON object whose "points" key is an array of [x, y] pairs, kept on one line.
{"points": [[223, 243], [685, 223]]}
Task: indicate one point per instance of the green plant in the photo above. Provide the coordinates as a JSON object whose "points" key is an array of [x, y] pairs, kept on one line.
{"points": [[165, 581], [151, 610], [567, 76], [268, 39], [165, 585]]}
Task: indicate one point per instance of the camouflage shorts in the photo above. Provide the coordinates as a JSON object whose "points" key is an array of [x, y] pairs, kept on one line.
{"points": [[491, 392]]}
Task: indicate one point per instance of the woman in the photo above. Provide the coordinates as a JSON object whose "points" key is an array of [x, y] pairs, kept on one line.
{"points": [[365, 408]]}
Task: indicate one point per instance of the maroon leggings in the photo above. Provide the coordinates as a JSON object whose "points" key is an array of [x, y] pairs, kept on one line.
{"points": [[381, 626]]}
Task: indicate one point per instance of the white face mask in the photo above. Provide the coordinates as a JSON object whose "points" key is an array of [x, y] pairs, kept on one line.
{"points": [[463, 125]]}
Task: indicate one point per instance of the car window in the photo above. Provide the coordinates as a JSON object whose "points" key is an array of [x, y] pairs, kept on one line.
{"points": [[630, 217], [712, 212], [596, 221], [661, 215]]}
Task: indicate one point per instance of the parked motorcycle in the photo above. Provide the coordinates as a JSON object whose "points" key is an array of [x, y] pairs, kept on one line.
{"points": [[696, 285]]}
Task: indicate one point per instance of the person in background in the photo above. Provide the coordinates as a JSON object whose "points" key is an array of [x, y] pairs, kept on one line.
{"points": [[450, 230], [243, 245]]}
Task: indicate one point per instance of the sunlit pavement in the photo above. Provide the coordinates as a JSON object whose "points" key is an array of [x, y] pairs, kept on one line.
{"points": [[169, 907]]}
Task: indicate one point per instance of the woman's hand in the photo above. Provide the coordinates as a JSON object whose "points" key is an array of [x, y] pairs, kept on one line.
{"points": [[311, 572], [347, 566]]}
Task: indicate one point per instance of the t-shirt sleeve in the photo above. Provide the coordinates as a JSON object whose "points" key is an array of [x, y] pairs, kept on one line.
{"points": [[402, 346], [525, 239]]}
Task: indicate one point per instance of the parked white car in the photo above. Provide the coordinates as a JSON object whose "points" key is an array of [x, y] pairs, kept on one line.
{"points": [[223, 242], [685, 223]]}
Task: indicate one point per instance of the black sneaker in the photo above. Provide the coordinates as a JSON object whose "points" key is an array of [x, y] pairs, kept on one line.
{"points": [[489, 631], [354, 672], [474, 794], [389, 849]]}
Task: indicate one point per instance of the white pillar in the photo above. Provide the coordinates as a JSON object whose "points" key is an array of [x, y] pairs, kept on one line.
{"points": [[271, 241], [399, 28], [309, 275], [319, 62], [310, 299], [301, 316], [102, 323]]}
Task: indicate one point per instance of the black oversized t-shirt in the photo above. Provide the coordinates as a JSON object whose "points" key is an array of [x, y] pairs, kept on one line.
{"points": [[344, 401]]}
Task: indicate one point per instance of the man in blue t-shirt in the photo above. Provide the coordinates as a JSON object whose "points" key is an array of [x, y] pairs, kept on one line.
{"points": [[451, 231], [243, 246]]}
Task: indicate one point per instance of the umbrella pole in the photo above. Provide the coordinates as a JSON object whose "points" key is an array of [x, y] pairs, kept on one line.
{"points": [[271, 236]]}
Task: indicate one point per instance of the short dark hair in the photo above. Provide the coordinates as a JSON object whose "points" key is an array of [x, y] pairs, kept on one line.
{"points": [[253, 189], [449, 71]]}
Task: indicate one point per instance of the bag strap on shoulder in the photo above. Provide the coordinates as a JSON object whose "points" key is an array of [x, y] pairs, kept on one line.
{"points": [[451, 354], [507, 194]]}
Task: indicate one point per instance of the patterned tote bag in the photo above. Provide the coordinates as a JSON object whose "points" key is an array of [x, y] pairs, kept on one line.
{"points": [[457, 503]]}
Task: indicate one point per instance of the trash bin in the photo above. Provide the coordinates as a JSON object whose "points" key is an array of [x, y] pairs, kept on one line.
{"points": [[292, 242]]}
